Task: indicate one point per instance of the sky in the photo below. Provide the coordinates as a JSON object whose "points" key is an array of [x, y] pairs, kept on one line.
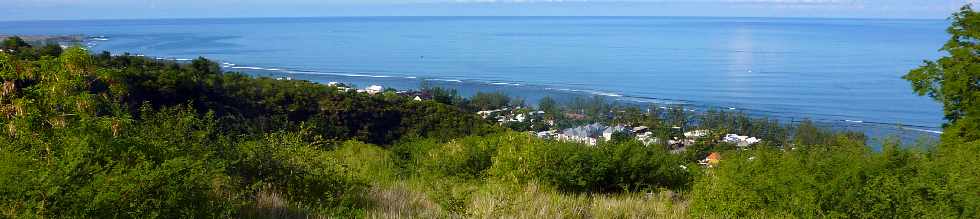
{"points": [[148, 9]]}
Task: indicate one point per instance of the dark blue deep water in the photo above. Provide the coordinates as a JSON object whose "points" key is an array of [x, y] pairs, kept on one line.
{"points": [[832, 70]]}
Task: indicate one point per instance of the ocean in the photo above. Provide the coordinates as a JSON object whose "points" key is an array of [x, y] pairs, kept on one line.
{"points": [[840, 71]]}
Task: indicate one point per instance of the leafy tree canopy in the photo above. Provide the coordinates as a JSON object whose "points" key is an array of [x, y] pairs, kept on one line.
{"points": [[954, 80]]}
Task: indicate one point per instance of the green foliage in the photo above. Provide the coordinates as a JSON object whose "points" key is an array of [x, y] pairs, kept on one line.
{"points": [[489, 101], [573, 167], [442, 95], [467, 158], [370, 163], [120, 136], [303, 172], [954, 80], [14, 44], [847, 180], [548, 105]]}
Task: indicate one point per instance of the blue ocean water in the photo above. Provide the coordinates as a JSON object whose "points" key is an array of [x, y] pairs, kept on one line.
{"points": [[836, 70]]}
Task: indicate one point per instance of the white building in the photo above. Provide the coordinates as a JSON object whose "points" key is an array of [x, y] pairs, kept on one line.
{"points": [[374, 89], [740, 141], [696, 134]]}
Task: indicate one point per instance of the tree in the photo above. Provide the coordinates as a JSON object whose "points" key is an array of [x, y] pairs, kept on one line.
{"points": [[548, 105], [489, 101], [53, 50], [205, 67], [14, 44], [954, 80]]}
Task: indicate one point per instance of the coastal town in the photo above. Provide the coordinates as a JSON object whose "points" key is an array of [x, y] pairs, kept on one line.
{"points": [[545, 125]]}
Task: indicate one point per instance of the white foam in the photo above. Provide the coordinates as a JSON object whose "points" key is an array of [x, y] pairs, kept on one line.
{"points": [[505, 83], [605, 94], [853, 121], [925, 130], [447, 80], [351, 75], [248, 67], [99, 39]]}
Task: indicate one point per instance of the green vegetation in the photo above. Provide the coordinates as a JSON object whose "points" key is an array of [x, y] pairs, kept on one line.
{"points": [[108, 136], [953, 80], [102, 136]]}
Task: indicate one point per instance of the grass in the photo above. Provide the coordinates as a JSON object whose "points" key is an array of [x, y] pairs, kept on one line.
{"points": [[269, 203], [505, 200], [438, 195]]}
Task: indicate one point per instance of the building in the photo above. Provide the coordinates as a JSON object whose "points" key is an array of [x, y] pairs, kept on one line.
{"points": [[712, 160], [374, 89], [609, 131], [740, 141], [587, 134], [696, 134], [641, 129]]}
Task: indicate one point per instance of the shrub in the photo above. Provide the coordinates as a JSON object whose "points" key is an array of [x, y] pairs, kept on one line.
{"points": [[367, 162], [575, 167], [305, 174]]}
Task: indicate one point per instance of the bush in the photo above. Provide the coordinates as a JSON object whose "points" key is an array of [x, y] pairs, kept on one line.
{"points": [[847, 180], [575, 167], [467, 158], [367, 162], [305, 174]]}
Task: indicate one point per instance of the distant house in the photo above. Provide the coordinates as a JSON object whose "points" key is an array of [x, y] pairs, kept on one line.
{"points": [[487, 113], [640, 129], [696, 134], [374, 89], [585, 134], [646, 138], [418, 98], [609, 131], [547, 134], [740, 141], [712, 160]]}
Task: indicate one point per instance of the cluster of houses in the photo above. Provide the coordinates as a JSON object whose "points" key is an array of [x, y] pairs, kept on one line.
{"points": [[506, 115], [377, 89], [592, 134], [587, 134], [740, 141], [373, 89]]}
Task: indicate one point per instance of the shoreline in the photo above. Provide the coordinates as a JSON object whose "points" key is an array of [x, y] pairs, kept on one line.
{"points": [[78, 38], [531, 93]]}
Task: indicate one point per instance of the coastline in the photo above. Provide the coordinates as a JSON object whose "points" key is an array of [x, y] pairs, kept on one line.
{"points": [[531, 93], [877, 131], [77, 38]]}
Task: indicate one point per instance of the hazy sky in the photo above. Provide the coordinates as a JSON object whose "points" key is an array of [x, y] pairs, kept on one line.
{"points": [[110, 9]]}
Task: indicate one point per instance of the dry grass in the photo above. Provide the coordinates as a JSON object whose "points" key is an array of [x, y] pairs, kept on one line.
{"points": [[654, 205], [270, 203], [502, 200], [531, 201], [399, 201]]}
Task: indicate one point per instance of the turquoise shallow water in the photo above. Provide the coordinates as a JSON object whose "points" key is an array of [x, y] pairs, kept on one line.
{"points": [[833, 70]]}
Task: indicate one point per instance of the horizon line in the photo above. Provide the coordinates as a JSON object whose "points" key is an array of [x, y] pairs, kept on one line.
{"points": [[484, 16]]}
